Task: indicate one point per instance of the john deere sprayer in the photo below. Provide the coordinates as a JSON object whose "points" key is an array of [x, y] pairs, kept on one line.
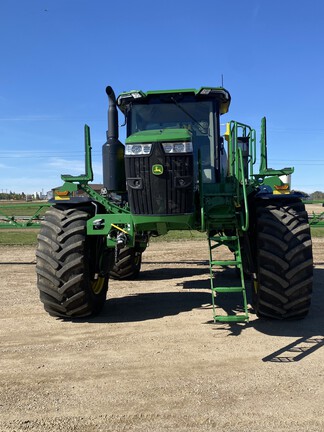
{"points": [[176, 171]]}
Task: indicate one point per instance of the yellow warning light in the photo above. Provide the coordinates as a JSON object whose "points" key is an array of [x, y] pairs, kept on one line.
{"points": [[62, 195], [281, 189]]}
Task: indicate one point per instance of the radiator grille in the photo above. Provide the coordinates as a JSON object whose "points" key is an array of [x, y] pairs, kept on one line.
{"points": [[165, 194]]}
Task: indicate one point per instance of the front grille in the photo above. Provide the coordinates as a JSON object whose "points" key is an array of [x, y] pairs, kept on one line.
{"points": [[165, 194]]}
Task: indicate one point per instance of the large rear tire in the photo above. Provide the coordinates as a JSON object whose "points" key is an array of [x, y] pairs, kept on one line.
{"points": [[128, 265], [68, 278], [283, 284]]}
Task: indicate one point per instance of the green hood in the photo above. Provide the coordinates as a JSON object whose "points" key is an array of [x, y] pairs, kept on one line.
{"points": [[159, 135]]}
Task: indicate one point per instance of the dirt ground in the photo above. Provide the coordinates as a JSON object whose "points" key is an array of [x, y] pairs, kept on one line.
{"points": [[154, 360]]}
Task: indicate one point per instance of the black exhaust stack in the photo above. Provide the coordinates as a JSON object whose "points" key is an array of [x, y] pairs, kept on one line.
{"points": [[113, 151]]}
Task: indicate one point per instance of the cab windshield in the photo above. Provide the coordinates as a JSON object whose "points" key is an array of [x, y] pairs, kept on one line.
{"points": [[194, 116]]}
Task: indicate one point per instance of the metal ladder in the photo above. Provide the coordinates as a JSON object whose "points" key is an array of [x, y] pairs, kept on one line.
{"points": [[233, 242]]}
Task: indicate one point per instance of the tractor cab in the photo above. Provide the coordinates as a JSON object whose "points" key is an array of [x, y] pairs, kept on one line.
{"points": [[169, 135]]}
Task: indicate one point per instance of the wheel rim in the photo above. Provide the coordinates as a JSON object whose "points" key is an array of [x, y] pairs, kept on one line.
{"points": [[97, 285]]}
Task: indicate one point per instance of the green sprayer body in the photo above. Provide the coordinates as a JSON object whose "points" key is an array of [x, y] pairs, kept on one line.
{"points": [[178, 171]]}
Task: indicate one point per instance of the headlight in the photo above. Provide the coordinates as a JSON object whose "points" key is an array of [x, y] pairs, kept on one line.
{"points": [[178, 147], [136, 95], [137, 149], [205, 91]]}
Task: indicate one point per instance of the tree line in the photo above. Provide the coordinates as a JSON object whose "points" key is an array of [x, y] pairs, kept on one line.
{"points": [[14, 196], [318, 195]]}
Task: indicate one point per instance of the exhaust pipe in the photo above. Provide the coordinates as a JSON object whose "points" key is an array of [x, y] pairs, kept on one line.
{"points": [[112, 114], [113, 150]]}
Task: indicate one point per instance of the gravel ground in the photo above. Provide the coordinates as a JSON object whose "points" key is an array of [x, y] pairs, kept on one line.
{"points": [[154, 360]]}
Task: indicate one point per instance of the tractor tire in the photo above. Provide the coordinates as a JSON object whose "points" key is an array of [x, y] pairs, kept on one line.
{"points": [[67, 264], [283, 285], [128, 265]]}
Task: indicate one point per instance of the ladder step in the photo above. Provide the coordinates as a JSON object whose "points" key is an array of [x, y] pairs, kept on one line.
{"points": [[220, 194], [226, 262], [228, 289], [221, 241], [228, 238], [233, 243], [223, 216], [231, 318]]}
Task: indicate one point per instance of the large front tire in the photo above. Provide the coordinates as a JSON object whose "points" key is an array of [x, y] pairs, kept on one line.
{"points": [[283, 284], [68, 278]]}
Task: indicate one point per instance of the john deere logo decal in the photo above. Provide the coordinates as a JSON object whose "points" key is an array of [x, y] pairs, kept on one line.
{"points": [[157, 169]]}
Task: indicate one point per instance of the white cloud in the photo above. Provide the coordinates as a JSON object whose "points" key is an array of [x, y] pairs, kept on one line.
{"points": [[73, 166], [3, 166]]}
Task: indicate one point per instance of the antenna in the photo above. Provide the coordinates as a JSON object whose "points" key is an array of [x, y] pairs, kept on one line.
{"points": [[222, 77]]}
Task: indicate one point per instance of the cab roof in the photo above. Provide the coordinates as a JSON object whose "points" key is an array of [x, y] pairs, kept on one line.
{"points": [[138, 96]]}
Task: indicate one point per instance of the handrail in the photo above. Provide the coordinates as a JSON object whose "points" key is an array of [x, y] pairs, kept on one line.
{"points": [[241, 180], [201, 197], [247, 132], [253, 151]]}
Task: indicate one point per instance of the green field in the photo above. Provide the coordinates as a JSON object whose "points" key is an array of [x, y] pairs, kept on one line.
{"points": [[20, 207], [317, 232], [23, 237]]}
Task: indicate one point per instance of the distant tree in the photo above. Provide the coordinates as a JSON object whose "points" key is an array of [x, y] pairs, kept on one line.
{"points": [[317, 195], [12, 196]]}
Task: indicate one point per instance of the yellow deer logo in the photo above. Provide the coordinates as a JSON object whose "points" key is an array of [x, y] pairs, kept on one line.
{"points": [[157, 169]]}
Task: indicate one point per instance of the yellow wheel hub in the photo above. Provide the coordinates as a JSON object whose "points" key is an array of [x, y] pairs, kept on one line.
{"points": [[98, 284]]}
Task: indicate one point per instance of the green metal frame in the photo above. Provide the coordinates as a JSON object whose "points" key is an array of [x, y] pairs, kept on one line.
{"points": [[20, 222], [316, 220], [233, 242], [264, 170]]}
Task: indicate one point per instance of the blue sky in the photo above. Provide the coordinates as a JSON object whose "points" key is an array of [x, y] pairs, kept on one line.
{"points": [[57, 57]]}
